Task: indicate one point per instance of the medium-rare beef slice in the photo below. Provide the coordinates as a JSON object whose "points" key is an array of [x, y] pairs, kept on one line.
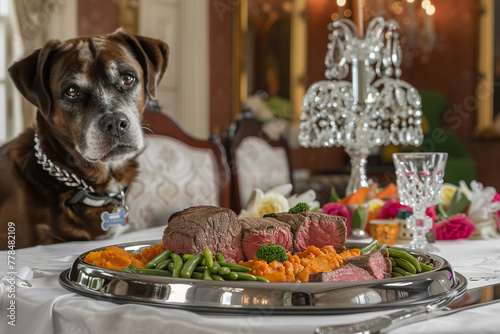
{"points": [[377, 263], [346, 273], [256, 231], [314, 229], [192, 230]]}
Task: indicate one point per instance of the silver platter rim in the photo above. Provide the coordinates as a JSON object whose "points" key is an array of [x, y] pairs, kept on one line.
{"points": [[244, 297]]}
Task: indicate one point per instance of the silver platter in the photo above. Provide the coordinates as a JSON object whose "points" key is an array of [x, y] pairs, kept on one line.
{"points": [[265, 298]]}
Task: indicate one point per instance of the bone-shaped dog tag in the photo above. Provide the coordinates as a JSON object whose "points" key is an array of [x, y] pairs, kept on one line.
{"points": [[120, 217]]}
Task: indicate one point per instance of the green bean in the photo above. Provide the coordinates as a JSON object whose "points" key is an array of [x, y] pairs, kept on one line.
{"points": [[163, 264], [186, 257], [404, 255], [132, 268], [200, 269], [224, 270], [426, 267], [157, 272], [215, 268], [216, 277], [127, 269], [261, 279], [234, 266], [197, 275], [393, 262], [406, 265], [178, 263], [170, 266], [159, 258], [232, 276], [368, 248], [401, 271], [395, 274], [246, 277], [209, 260], [207, 275], [188, 267], [219, 257]]}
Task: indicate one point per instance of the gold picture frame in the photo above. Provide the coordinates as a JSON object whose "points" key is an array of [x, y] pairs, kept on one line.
{"points": [[485, 90], [298, 55], [128, 15]]}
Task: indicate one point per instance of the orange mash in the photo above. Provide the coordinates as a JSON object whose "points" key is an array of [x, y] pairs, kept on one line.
{"points": [[116, 258], [300, 266]]}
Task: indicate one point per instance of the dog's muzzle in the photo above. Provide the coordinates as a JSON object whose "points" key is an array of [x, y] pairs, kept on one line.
{"points": [[114, 125]]}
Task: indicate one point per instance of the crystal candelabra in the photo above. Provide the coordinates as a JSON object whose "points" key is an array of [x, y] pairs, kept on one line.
{"points": [[375, 108]]}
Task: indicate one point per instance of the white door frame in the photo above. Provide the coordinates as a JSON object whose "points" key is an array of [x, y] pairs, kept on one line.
{"points": [[191, 61]]}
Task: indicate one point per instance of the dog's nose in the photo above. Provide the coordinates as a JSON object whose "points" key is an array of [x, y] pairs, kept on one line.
{"points": [[115, 125]]}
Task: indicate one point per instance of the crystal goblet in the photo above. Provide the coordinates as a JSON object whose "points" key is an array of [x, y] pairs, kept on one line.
{"points": [[419, 178]]}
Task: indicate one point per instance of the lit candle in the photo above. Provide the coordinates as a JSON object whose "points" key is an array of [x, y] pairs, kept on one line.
{"points": [[429, 20], [358, 16], [429, 29], [411, 15], [340, 5], [380, 7]]}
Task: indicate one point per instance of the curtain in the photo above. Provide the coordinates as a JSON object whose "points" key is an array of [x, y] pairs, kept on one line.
{"points": [[29, 21], [14, 118], [34, 15]]}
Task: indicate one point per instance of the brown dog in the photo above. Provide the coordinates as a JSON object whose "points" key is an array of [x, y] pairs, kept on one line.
{"points": [[90, 94]]}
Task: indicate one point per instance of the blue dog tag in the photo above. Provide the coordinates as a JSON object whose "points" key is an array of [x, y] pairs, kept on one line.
{"points": [[114, 218]]}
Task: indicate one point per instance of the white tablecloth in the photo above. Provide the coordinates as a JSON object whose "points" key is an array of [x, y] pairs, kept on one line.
{"points": [[43, 306]]}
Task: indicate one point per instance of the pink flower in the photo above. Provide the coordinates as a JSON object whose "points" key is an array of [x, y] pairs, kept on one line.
{"points": [[457, 227], [497, 199], [391, 208], [431, 212], [338, 209]]}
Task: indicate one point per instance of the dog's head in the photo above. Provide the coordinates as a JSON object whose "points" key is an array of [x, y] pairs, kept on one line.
{"points": [[92, 91]]}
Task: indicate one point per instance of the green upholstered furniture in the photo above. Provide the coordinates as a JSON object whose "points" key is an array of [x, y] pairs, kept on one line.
{"points": [[460, 165]]}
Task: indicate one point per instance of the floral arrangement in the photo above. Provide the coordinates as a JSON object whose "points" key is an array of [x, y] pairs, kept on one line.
{"points": [[277, 199], [462, 212], [468, 212]]}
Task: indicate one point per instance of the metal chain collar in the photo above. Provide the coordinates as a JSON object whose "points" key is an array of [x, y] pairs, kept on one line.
{"points": [[69, 179]]}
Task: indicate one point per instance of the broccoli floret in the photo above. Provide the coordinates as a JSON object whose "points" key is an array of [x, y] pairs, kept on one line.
{"points": [[271, 252], [300, 207]]}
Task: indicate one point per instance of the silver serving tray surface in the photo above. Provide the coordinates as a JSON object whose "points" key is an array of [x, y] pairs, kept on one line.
{"points": [[263, 298]]}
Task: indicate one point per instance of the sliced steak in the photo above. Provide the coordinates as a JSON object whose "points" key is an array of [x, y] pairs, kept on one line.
{"points": [[377, 263], [346, 273], [314, 229], [256, 231], [192, 230]]}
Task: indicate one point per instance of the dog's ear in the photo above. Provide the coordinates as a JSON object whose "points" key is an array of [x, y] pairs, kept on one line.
{"points": [[31, 76], [152, 54]]}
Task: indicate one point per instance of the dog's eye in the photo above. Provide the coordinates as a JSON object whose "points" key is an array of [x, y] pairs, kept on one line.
{"points": [[128, 80], [72, 92]]}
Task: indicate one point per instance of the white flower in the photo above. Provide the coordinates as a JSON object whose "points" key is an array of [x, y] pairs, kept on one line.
{"points": [[463, 188], [260, 108], [482, 211], [308, 197], [284, 189], [264, 203], [275, 200]]}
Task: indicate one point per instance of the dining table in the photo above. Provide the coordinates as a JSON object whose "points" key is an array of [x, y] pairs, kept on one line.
{"points": [[42, 305]]}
